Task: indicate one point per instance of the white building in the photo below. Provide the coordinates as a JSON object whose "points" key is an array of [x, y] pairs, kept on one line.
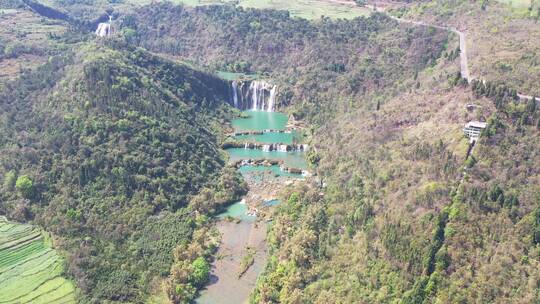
{"points": [[473, 129]]}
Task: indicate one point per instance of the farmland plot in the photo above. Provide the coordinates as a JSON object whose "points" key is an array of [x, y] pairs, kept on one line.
{"points": [[30, 270]]}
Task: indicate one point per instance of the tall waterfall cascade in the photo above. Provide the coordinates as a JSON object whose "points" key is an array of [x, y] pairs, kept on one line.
{"points": [[255, 95], [104, 29]]}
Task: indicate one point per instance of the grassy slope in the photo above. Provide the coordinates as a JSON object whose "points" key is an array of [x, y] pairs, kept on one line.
{"points": [[502, 41], [309, 9], [522, 4], [30, 271]]}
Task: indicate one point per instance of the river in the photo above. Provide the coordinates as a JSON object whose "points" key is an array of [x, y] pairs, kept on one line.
{"points": [[243, 225]]}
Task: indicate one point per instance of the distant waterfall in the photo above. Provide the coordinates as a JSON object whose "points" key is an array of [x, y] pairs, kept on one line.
{"points": [[104, 29], [259, 95]]}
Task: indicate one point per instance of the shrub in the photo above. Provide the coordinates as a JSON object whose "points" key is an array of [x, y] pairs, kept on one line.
{"points": [[201, 272], [25, 186]]}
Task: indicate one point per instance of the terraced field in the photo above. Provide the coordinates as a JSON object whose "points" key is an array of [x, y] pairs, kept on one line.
{"points": [[30, 270]]}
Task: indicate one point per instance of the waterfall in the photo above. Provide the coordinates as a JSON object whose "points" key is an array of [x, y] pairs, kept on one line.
{"points": [[272, 99], [235, 93], [277, 147], [104, 29], [254, 87], [282, 148], [259, 96]]}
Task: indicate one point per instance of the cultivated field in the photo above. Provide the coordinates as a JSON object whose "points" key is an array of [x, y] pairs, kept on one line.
{"points": [[26, 41], [30, 270], [309, 9]]}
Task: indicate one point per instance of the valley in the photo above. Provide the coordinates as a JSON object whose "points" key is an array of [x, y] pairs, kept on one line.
{"points": [[244, 224], [258, 152]]}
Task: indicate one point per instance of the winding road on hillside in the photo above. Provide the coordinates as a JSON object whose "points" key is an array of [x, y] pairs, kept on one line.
{"points": [[464, 62]]}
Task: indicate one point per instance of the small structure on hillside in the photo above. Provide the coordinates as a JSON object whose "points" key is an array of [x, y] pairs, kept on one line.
{"points": [[473, 129]]}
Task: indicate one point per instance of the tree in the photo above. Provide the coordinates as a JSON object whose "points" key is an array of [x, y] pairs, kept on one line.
{"points": [[484, 5], [536, 226], [313, 158], [495, 192], [360, 2], [201, 272], [470, 162], [25, 186], [9, 180], [531, 105]]}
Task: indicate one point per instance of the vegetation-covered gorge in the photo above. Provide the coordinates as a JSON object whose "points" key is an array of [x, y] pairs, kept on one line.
{"points": [[116, 152], [106, 147], [364, 85]]}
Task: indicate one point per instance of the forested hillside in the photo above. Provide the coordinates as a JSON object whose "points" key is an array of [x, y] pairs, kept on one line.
{"points": [[493, 229], [316, 63], [105, 147], [385, 179], [115, 150], [397, 222], [502, 37], [404, 215]]}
